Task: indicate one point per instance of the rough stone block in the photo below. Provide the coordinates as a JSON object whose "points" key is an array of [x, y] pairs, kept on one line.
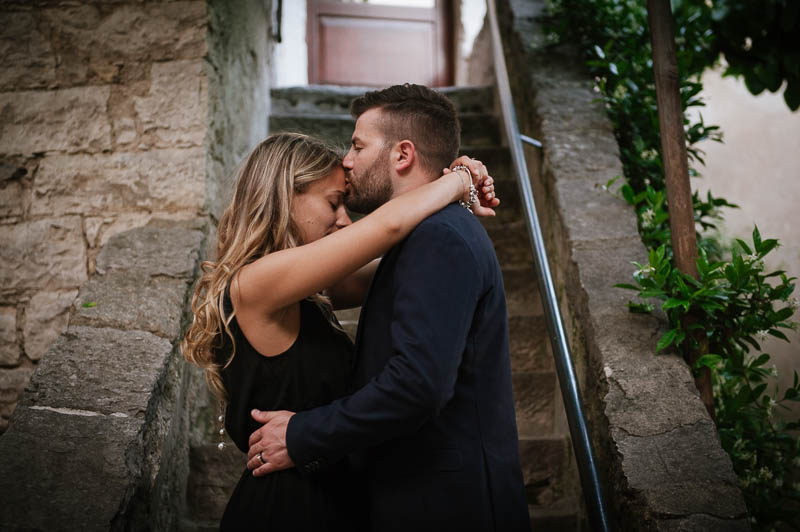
{"points": [[9, 348], [162, 247], [28, 58], [647, 394], [156, 180], [589, 213], [569, 106], [586, 155], [46, 316], [11, 199], [533, 402], [602, 264], [132, 301], [655, 466], [48, 253], [13, 382], [65, 120], [99, 40], [174, 112], [706, 523], [213, 476], [125, 366], [47, 450]]}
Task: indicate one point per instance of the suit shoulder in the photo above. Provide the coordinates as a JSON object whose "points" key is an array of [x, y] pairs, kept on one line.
{"points": [[452, 217]]}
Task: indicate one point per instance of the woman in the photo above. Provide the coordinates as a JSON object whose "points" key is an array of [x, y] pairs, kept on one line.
{"points": [[262, 330]]}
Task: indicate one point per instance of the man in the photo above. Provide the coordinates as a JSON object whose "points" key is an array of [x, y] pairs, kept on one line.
{"points": [[434, 420]]}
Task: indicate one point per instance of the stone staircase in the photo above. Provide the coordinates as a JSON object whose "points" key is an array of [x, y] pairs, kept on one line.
{"points": [[548, 463]]}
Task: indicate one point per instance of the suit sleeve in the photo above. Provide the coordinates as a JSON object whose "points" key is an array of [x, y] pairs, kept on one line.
{"points": [[437, 285]]}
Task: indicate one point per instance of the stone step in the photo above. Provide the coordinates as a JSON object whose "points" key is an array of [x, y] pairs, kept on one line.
{"points": [[334, 99], [522, 292], [533, 402], [529, 344], [213, 473], [546, 466], [563, 517], [477, 129], [511, 244]]}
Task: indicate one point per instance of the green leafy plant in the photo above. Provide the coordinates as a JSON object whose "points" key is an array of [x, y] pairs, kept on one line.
{"points": [[733, 304]]}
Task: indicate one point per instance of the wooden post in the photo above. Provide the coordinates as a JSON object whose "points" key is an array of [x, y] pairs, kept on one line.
{"points": [[676, 165]]}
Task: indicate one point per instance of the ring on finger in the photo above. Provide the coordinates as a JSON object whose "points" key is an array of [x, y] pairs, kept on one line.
{"points": [[260, 459]]}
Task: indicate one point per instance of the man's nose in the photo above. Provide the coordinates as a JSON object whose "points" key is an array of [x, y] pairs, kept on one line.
{"points": [[347, 162]]}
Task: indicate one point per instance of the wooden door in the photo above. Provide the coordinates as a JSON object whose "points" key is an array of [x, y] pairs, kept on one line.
{"points": [[378, 45]]}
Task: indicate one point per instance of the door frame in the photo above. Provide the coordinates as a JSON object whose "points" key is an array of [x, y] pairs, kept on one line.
{"points": [[444, 16]]}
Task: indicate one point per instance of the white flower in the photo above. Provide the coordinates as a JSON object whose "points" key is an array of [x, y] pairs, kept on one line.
{"points": [[794, 303], [645, 271], [764, 473], [762, 334], [647, 217]]}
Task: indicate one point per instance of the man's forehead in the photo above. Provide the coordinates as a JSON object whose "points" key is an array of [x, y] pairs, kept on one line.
{"points": [[368, 124]]}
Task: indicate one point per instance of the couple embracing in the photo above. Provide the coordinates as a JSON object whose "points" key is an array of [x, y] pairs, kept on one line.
{"points": [[411, 429]]}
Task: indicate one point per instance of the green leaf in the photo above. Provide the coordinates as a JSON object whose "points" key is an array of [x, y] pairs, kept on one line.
{"points": [[627, 193], [757, 391], [777, 334], [760, 361], [626, 286], [744, 246], [756, 239], [673, 303], [666, 339], [640, 308], [652, 292], [708, 361], [89, 304]]}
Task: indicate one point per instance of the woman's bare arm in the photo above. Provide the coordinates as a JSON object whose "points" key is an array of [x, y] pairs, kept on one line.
{"points": [[350, 291], [287, 276]]}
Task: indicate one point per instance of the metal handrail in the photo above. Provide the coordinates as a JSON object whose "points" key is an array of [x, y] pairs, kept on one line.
{"points": [[584, 454]]}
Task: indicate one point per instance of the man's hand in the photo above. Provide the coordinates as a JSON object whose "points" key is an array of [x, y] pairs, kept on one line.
{"points": [[267, 451]]}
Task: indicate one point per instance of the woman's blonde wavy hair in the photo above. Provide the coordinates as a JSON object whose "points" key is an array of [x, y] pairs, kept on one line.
{"points": [[258, 221]]}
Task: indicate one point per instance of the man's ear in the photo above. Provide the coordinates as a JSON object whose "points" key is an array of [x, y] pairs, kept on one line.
{"points": [[404, 155]]}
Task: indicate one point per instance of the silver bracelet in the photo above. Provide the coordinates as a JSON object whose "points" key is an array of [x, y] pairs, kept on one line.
{"points": [[473, 192]]}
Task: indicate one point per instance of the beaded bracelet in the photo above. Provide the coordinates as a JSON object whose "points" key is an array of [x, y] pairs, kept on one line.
{"points": [[473, 192]]}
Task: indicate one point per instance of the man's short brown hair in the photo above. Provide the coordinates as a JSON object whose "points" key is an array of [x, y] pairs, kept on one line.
{"points": [[419, 114]]}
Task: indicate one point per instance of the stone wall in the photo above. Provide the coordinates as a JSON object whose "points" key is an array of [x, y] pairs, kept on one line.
{"points": [[658, 451], [103, 122], [121, 122]]}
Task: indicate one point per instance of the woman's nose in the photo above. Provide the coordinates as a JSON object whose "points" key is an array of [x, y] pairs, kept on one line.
{"points": [[342, 218]]}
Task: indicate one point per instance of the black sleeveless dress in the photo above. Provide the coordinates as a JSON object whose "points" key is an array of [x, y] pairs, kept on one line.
{"points": [[314, 371]]}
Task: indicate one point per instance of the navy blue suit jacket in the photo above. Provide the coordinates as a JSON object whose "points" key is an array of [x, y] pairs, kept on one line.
{"points": [[433, 420]]}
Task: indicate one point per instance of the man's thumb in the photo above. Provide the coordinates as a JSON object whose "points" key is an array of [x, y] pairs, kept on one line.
{"points": [[261, 417]]}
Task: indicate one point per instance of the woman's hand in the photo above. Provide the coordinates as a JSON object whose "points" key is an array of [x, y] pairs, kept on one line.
{"points": [[483, 182]]}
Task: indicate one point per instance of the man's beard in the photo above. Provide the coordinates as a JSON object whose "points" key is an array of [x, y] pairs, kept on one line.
{"points": [[371, 188]]}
